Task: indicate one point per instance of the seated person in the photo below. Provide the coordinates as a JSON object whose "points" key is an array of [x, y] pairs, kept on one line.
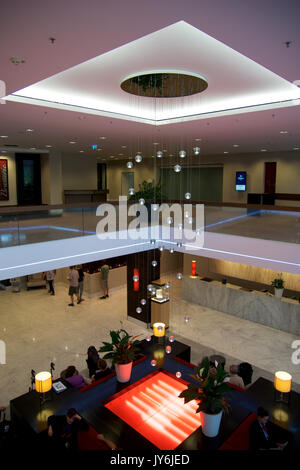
{"points": [[263, 434], [92, 360], [75, 379], [63, 429], [245, 371], [234, 378], [107, 442], [102, 370]]}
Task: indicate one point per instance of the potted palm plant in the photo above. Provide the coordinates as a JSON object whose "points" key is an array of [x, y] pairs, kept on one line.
{"points": [[278, 283], [210, 395], [122, 350]]}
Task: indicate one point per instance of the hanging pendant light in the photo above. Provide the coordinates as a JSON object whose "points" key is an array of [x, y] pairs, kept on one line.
{"points": [[182, 154], [177, 168], [196, 150]]}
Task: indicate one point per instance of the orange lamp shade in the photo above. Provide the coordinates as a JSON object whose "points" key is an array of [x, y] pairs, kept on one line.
{"points": [[159, 329], [283, 382], [193, 268], [43, 382]]}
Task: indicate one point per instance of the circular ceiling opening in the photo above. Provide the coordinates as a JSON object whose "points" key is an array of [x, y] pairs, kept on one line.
{"points": [[164, 84]]}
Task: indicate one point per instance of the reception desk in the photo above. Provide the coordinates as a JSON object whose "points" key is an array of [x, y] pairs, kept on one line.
{"points": [[255, 306], [92, 282]]}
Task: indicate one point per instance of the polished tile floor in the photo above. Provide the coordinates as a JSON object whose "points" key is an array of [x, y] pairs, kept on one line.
{"points": [[38, 328]]}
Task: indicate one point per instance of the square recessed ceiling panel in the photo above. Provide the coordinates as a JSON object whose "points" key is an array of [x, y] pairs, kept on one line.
{"points": [[152, 407], [236, 84]]}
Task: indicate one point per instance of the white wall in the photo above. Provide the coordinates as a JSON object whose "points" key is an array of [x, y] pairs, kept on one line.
{"points": [[287, 175], [79, 171], [143, 171]]}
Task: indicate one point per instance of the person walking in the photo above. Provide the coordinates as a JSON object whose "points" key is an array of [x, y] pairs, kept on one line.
{"points": [[50, 275], [73, 279], [80, 282], [104, 271]]}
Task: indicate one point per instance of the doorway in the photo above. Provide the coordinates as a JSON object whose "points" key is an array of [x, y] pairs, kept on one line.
{"points": [[127, 181], [28, 179], [270, 178]]}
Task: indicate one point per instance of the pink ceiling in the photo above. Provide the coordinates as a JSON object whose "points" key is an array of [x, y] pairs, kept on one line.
{"points": [[86, 29]]}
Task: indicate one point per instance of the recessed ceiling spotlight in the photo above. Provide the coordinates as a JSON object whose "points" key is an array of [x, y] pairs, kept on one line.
{"points": [[235, 145], [103, 138], [295, 148], [48, 146], [171, 155], [283, 132], [198, 140], [72, 142], [124, 146], [263, 150], [120, 154], [155, 143], [80, 151], [29, 130], [165, 150], [99, 150], [225, 152], [32, 148], [112, 156]]}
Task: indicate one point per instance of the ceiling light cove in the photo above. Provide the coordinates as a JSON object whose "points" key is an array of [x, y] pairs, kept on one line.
{"points": [[230, 82]]}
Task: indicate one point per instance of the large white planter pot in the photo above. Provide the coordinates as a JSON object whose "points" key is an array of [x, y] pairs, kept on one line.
{"points": [[278, 293], [210, 423], [123, 372]]}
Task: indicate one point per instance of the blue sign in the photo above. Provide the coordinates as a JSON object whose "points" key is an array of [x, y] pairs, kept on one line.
{"points": [[240, 180], [94, 146]]}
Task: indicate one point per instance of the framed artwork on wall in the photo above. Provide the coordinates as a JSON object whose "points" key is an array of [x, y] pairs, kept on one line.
{"points": [[4, 196]]}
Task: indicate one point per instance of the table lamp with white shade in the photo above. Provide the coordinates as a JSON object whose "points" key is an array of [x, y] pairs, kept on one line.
{"points": [[43, 384]]}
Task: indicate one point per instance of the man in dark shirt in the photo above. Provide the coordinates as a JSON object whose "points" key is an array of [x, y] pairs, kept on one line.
{"points": [[63, 430], [263, 434]]}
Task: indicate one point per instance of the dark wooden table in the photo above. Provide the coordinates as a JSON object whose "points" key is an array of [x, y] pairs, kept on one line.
{"points": [[284, 415], [28, 410]]}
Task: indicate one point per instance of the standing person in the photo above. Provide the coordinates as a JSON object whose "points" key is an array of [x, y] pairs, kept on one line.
{"points": [[50, 275], [104, 277], [73, 287], [80, 282]]}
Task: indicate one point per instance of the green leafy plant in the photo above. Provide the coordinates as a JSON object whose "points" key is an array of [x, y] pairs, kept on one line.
{"points": [[154, 81], [278, 283], [211, 391], [148, 190], [122, 349]]}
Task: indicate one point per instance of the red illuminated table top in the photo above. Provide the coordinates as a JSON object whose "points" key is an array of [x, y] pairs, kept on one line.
{"points": [[151, 406]]}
